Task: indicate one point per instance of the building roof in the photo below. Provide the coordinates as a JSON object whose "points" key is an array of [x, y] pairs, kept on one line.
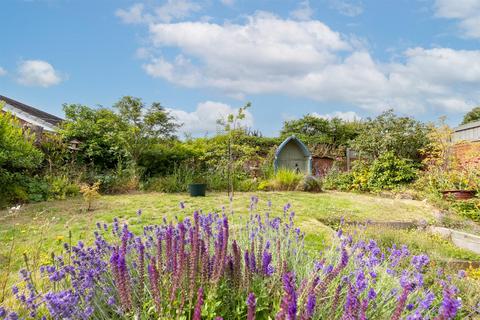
{"points": [[466, 126], [30, 114], [299, 143]]}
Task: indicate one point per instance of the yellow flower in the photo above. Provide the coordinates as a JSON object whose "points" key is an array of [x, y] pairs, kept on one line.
{"points": [[60, 238]]}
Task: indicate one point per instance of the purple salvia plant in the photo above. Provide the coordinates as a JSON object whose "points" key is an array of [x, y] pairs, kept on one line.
{"points": [[197, 313], [310, 307], [335, 300], [402, 301], [194, 253], [251, 306], [154, 277], [266, 260], [288, 307], [352, 304], [141, 267], [450, 304]]}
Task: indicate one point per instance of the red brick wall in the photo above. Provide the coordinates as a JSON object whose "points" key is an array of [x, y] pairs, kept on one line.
{"points": [[467, 152]]}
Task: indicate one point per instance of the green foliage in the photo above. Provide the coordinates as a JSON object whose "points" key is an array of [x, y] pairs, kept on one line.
{"points": [[468, 208], [285, 180], [310, 184], [18, 159], [162, 159], [389, 172], [176, 181], [144, 125], [404, 136], [110, 138], [102, 134], [314, 130], [338, 180], [385, 173], [472, 115]]}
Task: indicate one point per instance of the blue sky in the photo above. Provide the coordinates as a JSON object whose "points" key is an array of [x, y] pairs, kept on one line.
{"points": [[204, 58]]}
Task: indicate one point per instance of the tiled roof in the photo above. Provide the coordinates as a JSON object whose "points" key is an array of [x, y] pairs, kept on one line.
{"points": [[44, 116]]}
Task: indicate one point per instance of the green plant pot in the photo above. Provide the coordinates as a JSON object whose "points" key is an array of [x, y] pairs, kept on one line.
{"points": [[197, 189]]}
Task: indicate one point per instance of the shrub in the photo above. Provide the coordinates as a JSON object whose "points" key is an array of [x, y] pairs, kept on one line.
{"points": [[18, 159], [338, 180], [90, 194], [384, 173], [389, 171], [286, 180], [468, 208], [310, 184], [198, 269]]}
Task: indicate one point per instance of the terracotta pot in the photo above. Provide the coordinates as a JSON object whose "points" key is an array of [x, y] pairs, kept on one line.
{"points": [[459, 194]]}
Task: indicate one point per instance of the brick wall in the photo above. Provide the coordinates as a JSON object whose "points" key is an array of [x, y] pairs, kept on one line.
{"points": [[467, 152]]}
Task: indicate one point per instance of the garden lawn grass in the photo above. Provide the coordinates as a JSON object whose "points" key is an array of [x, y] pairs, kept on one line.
{"points": [[40, 229]]}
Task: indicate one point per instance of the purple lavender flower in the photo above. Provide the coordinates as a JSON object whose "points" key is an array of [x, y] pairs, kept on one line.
{"points": [[420, 261], [450, 304]]}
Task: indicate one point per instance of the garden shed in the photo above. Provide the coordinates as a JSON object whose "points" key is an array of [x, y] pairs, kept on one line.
{"points": [[293, 154]]}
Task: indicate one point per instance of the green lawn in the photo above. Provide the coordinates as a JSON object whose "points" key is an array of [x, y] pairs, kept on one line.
{"points": [[39, 229]]}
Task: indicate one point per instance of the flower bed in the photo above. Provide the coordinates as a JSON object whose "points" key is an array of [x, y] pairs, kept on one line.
{"points": [[202, 268]]}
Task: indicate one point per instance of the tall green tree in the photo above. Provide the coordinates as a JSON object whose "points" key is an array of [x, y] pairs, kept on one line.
{"points": [[102, 134], [472, 115], [403, 136], [146, 125], [18, 158]]}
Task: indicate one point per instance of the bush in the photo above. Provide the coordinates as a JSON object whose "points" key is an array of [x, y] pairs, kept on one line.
{"points": [[286, 180], [468, 208], [310, 184], [199, 269], [19, 158], [163, 159], [385, 173], [389, 171], [338, 180]]}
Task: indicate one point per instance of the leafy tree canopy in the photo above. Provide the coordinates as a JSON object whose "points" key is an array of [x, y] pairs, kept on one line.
{"points": [[403, 136], [472, 115], [111, 137], [313, 130]]}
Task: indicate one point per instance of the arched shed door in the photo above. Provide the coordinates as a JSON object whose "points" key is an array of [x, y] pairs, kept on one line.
{"points": [[292, 154]]}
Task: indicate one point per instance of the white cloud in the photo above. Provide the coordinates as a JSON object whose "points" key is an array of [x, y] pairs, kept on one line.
{"points": [[347, 7], [228, 2], [303, 12], [204, 119], [37, 73], [467, 12], [2, 72], [268, 54], [134, 14], [171, 10], [347, 115]]}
